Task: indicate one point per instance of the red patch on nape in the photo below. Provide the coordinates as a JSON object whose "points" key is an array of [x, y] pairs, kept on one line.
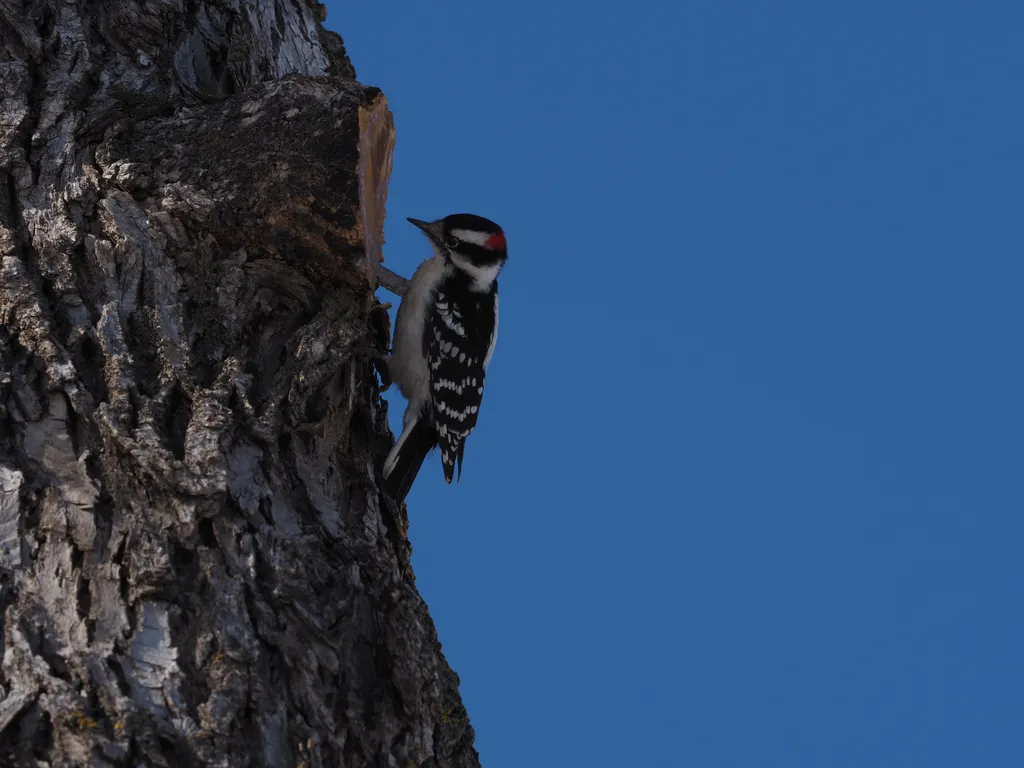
{"points": [[495, 241]]}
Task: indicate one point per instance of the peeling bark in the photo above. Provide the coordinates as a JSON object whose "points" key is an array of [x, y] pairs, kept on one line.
{"points": [[196, 566]]}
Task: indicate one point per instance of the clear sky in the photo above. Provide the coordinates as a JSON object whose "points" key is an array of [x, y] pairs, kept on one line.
{"points": [[748, 483]]}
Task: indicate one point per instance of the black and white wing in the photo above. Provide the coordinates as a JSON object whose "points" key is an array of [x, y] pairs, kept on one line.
{"points": [[460, 341]]}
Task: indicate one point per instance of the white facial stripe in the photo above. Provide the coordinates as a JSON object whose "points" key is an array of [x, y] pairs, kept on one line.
{"points": [[483, 277], [472, 236]]}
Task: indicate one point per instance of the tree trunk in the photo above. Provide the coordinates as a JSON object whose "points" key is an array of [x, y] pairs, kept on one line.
{"points": [[196, 566]]}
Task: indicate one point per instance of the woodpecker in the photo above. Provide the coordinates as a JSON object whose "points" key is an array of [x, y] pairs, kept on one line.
{"points": [[445, 333]]}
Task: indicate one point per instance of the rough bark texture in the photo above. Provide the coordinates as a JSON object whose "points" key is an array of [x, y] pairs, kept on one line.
{"points": [[196, 567]]}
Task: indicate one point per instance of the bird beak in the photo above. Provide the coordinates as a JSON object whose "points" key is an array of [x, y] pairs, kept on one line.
{"points": [[431, 228]]}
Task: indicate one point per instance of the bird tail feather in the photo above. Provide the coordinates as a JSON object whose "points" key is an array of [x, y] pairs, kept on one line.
{"points": [[405, 459]]}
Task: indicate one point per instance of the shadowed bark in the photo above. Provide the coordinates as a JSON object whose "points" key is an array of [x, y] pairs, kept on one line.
{"points": [[196, 567]]}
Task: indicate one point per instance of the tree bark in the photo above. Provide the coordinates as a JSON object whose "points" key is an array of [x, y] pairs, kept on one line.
{"points": [[196, 566]]}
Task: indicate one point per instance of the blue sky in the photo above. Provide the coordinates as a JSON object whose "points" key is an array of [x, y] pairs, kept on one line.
{"points": [[748, 483]]}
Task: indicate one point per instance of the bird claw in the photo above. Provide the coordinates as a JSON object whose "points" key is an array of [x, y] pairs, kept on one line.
{"points": [[384, 371]]}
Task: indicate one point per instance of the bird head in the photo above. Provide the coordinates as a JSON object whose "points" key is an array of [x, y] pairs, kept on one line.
{"points": [[472, 244]]}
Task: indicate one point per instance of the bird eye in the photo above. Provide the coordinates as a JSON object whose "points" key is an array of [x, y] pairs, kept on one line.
{"points": [[451, 242]]}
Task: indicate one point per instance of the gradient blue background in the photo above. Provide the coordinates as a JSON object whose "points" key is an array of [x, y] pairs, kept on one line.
{"points": [[748, 485]]}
